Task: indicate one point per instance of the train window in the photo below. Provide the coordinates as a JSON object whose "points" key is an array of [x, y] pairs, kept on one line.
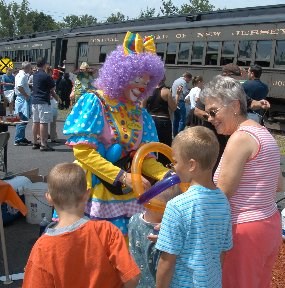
{"points": [[245, 53], [228, 52], [280, 53], [104, 51], [160, 50], [212, 53], [197, 53], [183, 53], [171, 53], [82, 49], [26, 55], [46, 54], [263, 53], [103, 54], [20, 56]]}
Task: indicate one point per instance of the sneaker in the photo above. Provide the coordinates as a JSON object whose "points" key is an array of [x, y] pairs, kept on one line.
{"points": [[20, 143], [46, 148], [36, 146], [25, 140]]}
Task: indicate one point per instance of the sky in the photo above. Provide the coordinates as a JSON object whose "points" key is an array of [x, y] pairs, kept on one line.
{"points": [[101, 9]]}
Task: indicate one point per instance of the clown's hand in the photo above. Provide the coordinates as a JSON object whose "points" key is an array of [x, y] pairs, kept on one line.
{"points": [[126, 179]]}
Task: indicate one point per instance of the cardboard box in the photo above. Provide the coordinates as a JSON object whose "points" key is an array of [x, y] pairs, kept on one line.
{"points": [[32, 174]]}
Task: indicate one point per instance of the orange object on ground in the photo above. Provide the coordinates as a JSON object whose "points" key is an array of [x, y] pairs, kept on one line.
{"points": [[9, 196]]}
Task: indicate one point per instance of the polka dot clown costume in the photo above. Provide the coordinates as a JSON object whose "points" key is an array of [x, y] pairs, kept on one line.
{"points": [[106, 127]]}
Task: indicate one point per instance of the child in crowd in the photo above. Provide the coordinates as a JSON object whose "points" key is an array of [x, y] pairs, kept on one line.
{"points": [[196, 225], [78, 252], [141, 226]]}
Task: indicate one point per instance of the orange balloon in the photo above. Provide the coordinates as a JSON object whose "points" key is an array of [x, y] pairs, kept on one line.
{"points": [[136, 169]]}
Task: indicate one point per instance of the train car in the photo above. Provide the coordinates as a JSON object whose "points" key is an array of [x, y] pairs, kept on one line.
{"points": [[200, 43]]}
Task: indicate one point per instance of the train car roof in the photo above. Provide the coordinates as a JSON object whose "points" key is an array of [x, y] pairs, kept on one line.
{"points": [[248, 15]]}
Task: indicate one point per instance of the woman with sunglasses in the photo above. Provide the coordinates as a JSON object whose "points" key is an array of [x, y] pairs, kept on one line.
{"points": [[249, 174]]}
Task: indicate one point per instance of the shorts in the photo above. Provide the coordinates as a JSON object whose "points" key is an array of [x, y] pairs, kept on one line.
{"points": [[42, 113]]}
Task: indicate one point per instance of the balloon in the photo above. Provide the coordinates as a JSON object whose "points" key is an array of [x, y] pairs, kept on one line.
{"points": [[113, 154], [136, 168], [101, 149], [158, 188]]}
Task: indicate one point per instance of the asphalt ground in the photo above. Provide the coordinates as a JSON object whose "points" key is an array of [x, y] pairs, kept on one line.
{"points": [[20, 236]]}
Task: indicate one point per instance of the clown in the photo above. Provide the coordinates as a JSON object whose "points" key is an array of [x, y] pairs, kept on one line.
{"points": [[108, 126]]}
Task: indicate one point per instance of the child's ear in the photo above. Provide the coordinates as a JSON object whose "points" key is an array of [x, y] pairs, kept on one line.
{"points": [[49, 198], [192, 165]]}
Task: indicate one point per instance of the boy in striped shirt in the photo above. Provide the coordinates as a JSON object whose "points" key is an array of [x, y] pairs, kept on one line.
{"points": [[196, 225]]}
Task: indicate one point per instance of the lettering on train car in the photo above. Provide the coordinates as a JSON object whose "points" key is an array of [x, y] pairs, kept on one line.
{"points": [[278, 83], [208, 34], [104, 40], [160, 36], [180, 36], [37, 45], [280, 31]]}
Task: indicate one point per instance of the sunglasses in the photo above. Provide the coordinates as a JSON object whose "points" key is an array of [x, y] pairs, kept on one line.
{"points": [[213, 113]]}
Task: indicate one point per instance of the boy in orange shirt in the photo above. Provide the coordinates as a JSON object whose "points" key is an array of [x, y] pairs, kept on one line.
{"points": [[78, 252]]}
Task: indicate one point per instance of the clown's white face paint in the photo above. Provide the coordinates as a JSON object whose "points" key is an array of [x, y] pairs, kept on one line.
{"points": [[136, 87]]}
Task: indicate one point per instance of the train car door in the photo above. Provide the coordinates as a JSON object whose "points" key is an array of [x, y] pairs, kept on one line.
{"points": [[63, 52], [52, 56]]}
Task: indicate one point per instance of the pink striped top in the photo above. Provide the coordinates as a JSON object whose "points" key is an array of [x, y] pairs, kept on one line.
{"points": [[255, 196]]}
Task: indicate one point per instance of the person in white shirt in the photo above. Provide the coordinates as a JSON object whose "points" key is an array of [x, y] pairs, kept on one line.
{"points": [[22, 103], [191, 99]]}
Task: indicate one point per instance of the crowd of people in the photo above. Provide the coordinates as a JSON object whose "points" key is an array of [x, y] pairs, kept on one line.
{"points": [[223, 231]]}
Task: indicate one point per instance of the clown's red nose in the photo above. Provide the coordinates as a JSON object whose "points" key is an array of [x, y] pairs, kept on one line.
{"points": [[141, 90]]}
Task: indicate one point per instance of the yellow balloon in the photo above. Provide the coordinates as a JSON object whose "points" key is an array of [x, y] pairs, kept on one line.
{"points": [[136, 169]]}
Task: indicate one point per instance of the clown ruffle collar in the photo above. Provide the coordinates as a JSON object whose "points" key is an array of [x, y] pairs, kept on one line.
{"points": [[133, 109]]}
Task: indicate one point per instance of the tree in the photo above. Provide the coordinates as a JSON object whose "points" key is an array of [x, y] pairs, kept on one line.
{"points": [[196, 6], [168, 8], [119, 17], [42, 22], [13, 19], [147, 13], [72, 21]]}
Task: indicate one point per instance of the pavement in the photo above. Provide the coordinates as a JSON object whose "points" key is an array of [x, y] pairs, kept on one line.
{"points": [[20, 236]]}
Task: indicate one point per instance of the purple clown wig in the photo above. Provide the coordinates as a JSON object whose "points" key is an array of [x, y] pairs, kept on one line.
{"points": [[119, 69]]}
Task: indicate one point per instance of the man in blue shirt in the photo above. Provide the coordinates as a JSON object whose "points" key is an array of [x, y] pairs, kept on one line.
{"points": [[43, 88], [255, 89]]}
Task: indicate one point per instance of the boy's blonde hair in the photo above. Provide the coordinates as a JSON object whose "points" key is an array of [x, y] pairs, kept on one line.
{"points": [[67, 184], [198, 143]]}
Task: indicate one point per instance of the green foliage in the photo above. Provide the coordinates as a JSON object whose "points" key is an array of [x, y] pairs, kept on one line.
{"points": [[147, 13], [42, 22], [13, 18], [196, 6], [72, 21], [119, 17], [19, 19], [168, 8]]}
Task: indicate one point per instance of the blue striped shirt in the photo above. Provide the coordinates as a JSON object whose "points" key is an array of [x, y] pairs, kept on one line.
{"points": [[196, 227]]}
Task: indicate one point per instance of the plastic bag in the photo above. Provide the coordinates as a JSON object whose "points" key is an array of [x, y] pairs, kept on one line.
{"points": [[9, 95]]}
